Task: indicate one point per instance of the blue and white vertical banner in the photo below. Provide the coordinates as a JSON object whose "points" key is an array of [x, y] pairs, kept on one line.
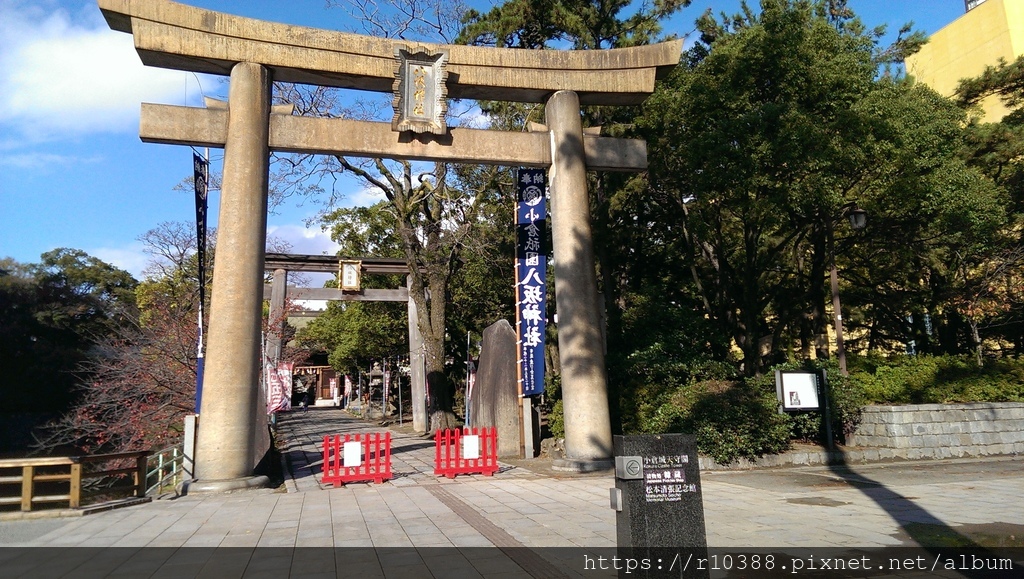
{"points": [[531, 278]]}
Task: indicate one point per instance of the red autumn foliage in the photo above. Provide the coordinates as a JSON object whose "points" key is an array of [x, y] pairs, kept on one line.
{"points": [[139, 384]]}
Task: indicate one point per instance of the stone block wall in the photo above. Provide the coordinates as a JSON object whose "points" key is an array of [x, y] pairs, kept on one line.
{"points": [[941, 430]]}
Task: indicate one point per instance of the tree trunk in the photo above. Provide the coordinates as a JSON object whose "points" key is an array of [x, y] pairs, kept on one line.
{"points": [[439, 390], [816, 291], [976, 341]]}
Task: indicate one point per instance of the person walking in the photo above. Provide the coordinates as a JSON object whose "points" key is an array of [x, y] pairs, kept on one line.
{"points": [[305, 401]]}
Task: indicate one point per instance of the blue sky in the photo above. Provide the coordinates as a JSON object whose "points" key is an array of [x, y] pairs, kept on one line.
{"points": [[75, 173]]}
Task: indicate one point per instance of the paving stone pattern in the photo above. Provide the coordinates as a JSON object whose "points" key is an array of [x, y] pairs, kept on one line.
{"points": [[811, 507]]}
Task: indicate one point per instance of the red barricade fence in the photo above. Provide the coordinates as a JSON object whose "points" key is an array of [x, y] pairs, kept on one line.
{"points": [[450, 459], [374, 463]]}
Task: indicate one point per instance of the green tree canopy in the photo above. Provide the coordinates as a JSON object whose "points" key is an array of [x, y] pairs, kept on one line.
{"points": [[991, 299], [765, 140], [51, 315], [581, 24]]}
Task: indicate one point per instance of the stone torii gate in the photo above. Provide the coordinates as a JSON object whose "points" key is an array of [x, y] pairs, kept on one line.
{"points": [[254, 53], [278, 292]]}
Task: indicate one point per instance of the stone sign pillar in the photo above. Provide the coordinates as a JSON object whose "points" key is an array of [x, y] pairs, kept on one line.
{"points": [[226, 451], [417, 369], [588, 433], [657, 498], [278, 316]]}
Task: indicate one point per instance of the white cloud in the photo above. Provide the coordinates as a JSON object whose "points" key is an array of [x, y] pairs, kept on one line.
{"points": [[65, 72], [130, 258], [40, 161], [303, 240], [469, 115], [312, 305], [365, 196]]}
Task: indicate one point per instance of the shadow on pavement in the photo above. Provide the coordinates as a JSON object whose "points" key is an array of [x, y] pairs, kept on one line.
{"points": [[923, 528]]}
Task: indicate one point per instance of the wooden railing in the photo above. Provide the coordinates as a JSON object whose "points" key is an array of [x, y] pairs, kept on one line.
{"points": [[74, 480]]}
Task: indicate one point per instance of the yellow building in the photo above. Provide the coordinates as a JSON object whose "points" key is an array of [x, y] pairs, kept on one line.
{"points": [[990, 30]]}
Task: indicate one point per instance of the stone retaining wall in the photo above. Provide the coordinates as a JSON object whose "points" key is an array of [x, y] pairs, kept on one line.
{"points": [[942, 430], [923, 431]]}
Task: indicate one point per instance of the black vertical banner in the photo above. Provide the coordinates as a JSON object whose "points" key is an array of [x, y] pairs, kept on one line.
{"points": [[201, 178]]}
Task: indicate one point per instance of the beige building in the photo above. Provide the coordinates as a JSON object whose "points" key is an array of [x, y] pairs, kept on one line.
{"points": [[990, 30]]}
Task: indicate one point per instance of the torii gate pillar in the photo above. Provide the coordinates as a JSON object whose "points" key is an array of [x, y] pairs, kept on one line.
{"points": [[588, 433], [226, 448]]}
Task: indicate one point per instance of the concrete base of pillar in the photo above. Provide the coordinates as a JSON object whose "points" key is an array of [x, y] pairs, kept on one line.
{"points": [[198, 487], [580, 465]]}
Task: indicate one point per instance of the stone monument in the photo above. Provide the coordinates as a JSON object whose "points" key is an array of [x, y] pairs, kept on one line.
{"points": [[495, 399]]}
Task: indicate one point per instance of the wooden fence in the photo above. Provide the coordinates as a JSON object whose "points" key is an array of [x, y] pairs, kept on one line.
{"points": [[75, 481]]}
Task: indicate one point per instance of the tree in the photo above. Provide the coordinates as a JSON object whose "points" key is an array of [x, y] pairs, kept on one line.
{"points": [[355, 334], [51, 314], [926, 207], [81, 292], [141, 382], [482, 286], [763, 142], [1005, 80], [582, 24], [432, 220], [37, 359], [138, 379], [406, 19], [761, 121], [172, 248], [997, 149], [618, 225]]}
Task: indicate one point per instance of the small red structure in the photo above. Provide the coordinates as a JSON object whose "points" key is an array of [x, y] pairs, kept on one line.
{"points": [[370, 460], [466, 451]]}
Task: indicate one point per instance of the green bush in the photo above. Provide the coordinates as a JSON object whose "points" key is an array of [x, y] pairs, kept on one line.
{"points": [[730, 419], [739, 418], [556, 420], [553, 396], [846, 398], [939, 380]]}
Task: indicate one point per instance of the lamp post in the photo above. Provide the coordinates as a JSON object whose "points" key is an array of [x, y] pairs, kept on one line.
{"points": [[858, 220]]}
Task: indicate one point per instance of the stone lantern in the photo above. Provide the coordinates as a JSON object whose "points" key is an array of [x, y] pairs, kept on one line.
{"points": [[376, 383]]}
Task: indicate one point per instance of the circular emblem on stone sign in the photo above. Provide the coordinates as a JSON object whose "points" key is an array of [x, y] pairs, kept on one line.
{"points": [[532, 195], [633, 467]]}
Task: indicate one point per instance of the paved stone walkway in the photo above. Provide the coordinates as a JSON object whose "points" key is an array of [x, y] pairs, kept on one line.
{"points": [[856, 507]]}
